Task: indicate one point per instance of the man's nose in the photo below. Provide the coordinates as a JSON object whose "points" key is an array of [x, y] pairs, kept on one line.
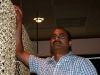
{"points": [[57, 37]]}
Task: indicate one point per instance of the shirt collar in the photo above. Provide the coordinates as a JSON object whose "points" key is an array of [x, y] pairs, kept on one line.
{"points": [[52, 58]]}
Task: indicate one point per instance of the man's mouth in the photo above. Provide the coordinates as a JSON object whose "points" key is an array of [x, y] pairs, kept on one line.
{"points": [[57, 42]]}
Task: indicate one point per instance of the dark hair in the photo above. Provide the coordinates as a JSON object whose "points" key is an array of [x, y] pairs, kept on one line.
{"points": [[69, 35]]}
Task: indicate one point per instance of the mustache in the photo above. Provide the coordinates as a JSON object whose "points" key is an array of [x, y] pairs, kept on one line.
{"points": [[57, 41]]}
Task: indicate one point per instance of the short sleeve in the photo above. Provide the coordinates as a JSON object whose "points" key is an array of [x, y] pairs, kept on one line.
{"points": [[87, 68], [33, 63]]}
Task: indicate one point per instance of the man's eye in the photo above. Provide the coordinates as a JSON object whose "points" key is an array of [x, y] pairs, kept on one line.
{"points": [[62, 36], [53, 36]]}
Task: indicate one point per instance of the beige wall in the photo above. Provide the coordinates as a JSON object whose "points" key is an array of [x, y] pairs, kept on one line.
{"points": [[79, 46]]}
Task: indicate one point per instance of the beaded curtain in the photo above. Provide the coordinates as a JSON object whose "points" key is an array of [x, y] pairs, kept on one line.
{"points": [[9, 65]]}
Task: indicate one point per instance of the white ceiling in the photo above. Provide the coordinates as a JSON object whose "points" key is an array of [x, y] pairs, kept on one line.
{"points": [[80, 17]]}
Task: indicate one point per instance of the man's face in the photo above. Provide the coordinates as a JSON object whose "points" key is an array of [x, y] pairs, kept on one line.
{"points": [[59, 40]]}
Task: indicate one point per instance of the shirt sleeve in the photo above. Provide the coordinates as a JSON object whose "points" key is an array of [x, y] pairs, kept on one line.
{"points": [[32, 64], [35, 64], [87, 68]]}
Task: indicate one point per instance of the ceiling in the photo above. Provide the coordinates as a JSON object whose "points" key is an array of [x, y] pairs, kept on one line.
{"points": [[80, 17]]}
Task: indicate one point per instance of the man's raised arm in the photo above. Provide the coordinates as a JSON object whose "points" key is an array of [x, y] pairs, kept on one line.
{"points": [[20, 53]]}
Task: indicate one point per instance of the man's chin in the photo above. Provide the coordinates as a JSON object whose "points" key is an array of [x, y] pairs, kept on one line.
{"points": [[56, 48]]}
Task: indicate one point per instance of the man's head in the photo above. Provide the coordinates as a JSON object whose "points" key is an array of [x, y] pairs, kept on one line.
{"points": [[60, 40]]}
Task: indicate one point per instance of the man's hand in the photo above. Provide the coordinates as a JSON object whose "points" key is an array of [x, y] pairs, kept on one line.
{"points": [[19, 15]]}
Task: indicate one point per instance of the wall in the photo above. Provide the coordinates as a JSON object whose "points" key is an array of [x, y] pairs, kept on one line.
{"points": [[79, 46]]}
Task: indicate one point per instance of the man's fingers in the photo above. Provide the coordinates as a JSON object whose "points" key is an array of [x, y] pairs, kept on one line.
{"points": [[18, 9]]}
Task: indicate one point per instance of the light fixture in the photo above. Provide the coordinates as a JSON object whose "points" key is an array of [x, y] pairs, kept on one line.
{"points": [[38, 19]]}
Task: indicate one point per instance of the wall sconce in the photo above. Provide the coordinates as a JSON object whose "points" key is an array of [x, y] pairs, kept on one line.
{"points": [[38, 19]]}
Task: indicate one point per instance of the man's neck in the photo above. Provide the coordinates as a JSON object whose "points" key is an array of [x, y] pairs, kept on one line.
{"points": [[57, 56]]}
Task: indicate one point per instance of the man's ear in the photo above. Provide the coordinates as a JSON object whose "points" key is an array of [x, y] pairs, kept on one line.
{"points": [[70, 43]]}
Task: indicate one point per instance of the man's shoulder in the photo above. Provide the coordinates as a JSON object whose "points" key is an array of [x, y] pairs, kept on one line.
{"points": [[78, 58]]}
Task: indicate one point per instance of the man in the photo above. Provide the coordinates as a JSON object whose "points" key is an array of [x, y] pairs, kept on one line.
{"points": [[63, 61]]}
